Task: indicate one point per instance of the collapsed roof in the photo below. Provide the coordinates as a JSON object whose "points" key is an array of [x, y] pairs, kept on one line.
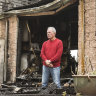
{"points": [[40, 6]]}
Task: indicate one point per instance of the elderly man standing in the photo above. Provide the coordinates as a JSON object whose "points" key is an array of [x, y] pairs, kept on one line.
{"points": [[51, 55]]}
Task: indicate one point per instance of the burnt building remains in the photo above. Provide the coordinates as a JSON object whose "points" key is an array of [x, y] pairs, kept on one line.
{"points": [[23, 25]]}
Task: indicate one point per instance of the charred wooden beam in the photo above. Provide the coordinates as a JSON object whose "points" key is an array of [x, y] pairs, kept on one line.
{"points": [[50, 12], [39, 14]]}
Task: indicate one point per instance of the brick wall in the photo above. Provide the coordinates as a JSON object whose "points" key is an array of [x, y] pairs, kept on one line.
{"points": [[12, 48], [89, 37], [2, 28]]}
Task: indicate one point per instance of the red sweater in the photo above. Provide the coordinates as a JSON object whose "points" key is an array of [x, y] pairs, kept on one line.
{"points": [[52, 50]]}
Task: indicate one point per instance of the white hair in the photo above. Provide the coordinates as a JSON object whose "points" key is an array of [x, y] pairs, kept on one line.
{"points": [[52, 28]]}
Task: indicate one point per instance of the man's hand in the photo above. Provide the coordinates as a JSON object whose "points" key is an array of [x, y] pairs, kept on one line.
{"points": [[48, 63]]}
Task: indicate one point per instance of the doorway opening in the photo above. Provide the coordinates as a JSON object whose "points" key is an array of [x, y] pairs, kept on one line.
{"points": [[32, 34]]}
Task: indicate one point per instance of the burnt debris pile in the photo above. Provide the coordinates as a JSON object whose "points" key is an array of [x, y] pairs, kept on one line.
{"points": [[29, 81], [33, 86]]}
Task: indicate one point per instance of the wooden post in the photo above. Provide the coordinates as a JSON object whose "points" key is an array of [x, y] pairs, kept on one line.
{"points": [[82, 42]]}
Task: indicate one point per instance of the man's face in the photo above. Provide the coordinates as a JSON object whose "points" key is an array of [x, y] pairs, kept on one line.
{"points": [[50, 34]]}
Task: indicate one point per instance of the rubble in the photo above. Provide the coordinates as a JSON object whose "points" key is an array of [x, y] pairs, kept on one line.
{"points": [[33, 87]]}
